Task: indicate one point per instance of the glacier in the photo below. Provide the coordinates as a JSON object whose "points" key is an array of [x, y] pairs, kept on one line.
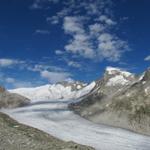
{"points": [[55, 118], [50, 113]]}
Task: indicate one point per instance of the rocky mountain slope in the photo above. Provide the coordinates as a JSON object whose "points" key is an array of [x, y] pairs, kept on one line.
{"points": [[119, 99], [16, 136], [11, 100]]}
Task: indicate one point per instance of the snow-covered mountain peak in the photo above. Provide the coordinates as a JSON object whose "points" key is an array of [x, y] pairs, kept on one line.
{"points": [[114, 71], [56, 91], [117, 76]]}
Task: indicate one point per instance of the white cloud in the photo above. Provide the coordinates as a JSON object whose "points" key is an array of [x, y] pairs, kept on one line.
{"points": [[111, 47], [17, 83], [59, 52], [147, 58], [52, 73], [54, 77], [41, 4], [105, 37], [13, 83], [38, 31], [53, 19], [10, 80], [41, 67], [95, 43], [105, 19], [80, 45], [74, 64], [59, 15], [90, 31], [96, 29], [6, 62], [22, 84], [72, 25]]}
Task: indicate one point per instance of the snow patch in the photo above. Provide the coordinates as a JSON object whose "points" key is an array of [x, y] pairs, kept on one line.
{"points": [[141, 77], [147, 90], [112, 70], [119, 79]]}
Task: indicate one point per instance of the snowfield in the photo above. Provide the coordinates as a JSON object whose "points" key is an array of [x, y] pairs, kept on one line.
{"points": [[54, 91], [54, 117], [112, 70]]}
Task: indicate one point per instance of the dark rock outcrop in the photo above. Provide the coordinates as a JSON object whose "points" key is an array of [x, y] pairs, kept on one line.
{"points": [[11, 100]]}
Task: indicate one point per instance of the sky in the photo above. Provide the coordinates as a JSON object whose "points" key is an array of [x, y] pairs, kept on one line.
{"points": [[48, 41]]}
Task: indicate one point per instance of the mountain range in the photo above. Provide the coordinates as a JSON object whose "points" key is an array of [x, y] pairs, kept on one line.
{"points": [[119, 98]]}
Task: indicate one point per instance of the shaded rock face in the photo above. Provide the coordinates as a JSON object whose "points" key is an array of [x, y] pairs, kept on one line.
{"points": [[123, 105], [146, 76], [11, 100], [112, 82], [2, 89]]}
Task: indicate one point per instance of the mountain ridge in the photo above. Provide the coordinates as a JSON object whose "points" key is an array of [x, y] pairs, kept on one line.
{"points": [[123, 104], [61, 90]]}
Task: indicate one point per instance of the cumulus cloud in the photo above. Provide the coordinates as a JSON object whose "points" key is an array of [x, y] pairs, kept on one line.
{"points": [[72, 25], [147, 58], [22, 84], [87, 29], [54, 77], [74, 64], [53, 19], [106, 20], [59, 52], [96, 29], [17, 83], [80, 43], [6, 62], [111, 47], [52, 73], [10, 80], [96, 43], [44, 69]]}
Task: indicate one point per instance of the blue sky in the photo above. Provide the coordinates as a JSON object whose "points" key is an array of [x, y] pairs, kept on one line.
{"points": [[47, 41]]}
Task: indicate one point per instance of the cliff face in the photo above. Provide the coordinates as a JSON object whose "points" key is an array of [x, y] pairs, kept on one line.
{"points": [[11, 100], [122, 101]]}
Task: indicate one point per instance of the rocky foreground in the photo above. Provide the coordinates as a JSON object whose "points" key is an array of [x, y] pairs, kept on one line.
{"points": [[16, 136]]}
